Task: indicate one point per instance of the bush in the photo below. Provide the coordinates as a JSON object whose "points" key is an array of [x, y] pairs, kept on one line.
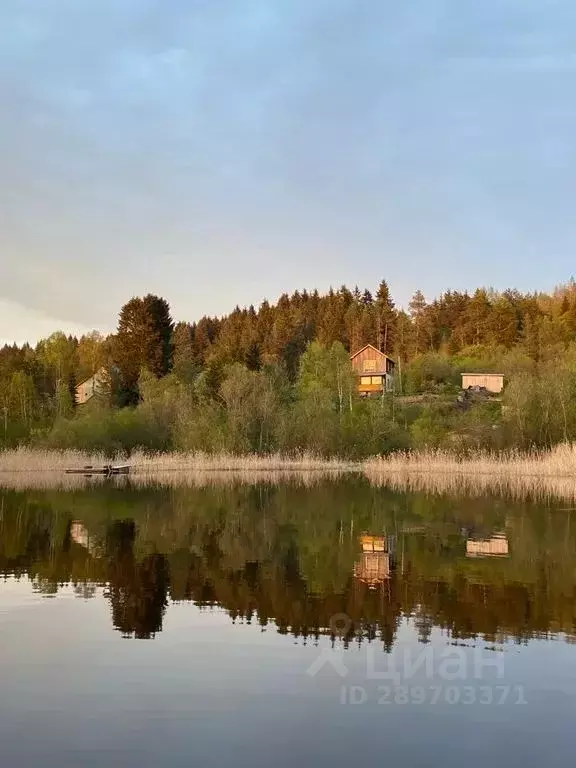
{"points": [[430, 429], [108, 432], [431, 372]]}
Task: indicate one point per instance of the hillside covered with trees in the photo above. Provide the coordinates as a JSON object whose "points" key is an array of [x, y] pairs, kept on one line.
{"points": [[278, 378]]}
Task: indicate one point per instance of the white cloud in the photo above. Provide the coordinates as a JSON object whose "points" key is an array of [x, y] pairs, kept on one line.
{"points": [[27, 325]]}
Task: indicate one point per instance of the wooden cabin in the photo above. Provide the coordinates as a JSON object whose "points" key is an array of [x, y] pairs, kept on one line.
{"points": [[374, 369], [98, 384], [491, 382]]}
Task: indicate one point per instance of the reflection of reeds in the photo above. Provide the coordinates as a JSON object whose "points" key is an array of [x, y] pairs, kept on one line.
{"points": [[539, 474]]}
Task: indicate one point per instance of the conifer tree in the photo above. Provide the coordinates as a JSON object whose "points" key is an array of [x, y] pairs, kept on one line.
{"points": [[143, 340], [417, 307], [185, 365], [385, 319]]}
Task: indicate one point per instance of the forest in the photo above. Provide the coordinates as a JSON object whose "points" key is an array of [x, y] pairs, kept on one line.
{"points": [[278, 378]]}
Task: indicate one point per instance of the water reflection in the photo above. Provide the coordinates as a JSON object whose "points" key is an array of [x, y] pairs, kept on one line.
{"points": [[297, 557], [495, 546], [373, 567]]}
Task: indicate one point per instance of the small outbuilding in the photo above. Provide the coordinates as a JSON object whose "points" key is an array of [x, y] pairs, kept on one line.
{"points": [[491, 382]]}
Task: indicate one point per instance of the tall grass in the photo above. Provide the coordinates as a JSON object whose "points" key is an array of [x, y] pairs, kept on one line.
{"points": [[537, 473], [30, 468]]}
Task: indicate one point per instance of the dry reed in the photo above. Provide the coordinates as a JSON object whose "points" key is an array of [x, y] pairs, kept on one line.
{"points": [[28, 468], [537, 474]]}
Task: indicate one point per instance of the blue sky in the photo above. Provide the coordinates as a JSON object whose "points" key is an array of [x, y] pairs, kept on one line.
{"points": [[222, 152]]}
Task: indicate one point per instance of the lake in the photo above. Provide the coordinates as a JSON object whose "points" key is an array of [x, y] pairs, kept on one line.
{"points": [[322, 623]]}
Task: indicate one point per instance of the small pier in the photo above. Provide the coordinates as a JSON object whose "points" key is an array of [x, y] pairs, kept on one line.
{"points": [[108, 470]]}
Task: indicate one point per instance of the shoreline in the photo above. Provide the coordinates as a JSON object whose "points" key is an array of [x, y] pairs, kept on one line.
{"points": [[543, 473]]}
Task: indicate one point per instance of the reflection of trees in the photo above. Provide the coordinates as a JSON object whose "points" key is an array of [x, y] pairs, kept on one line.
{"points": [[85, 590], [137, 590], [287, 556]]}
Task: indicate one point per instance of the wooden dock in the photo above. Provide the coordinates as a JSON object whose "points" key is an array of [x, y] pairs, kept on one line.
{"points": [[108, 470]]}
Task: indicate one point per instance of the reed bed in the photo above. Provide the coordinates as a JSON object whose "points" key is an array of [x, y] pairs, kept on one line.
{"points": [[224, 462], [521, 475], [540, 474], [26, 468]]}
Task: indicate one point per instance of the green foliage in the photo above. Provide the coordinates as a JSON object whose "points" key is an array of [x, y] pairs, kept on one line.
{"points": [[540, 406], [279, 377], [58, 356], [64, 400], [186, 365], [252, 404], [326, 376], [430, 429], [93, 353], [430, 372], [110, 432]]}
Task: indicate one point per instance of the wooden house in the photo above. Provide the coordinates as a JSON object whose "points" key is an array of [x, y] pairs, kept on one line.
{"points": [[98, 384], [374, 370], [491, 382]]}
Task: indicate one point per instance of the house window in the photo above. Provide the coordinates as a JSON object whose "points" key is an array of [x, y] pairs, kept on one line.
{"points": [[369, 365], [365, 380], [376, 380]]}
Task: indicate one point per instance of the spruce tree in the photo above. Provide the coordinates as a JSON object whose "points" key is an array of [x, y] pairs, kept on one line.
{"points": [[385, 319], [143, 340]]}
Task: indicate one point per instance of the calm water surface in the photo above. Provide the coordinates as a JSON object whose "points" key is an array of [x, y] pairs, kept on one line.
{"points": [[264, 625]]}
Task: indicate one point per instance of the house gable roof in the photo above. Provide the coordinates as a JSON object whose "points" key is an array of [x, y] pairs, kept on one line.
{"points": [[99, 375], [477, 373], [370, 346]]}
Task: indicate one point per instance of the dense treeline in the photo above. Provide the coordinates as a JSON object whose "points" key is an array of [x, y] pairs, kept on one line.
{"points": [[287, 553], [278, 377]]}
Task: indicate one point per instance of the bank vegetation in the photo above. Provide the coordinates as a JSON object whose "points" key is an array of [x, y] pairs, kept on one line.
{"points": [[539, 474]]}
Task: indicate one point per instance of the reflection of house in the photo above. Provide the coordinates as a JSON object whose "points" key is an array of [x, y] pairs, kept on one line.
{"points": [[373, 567], [374, 369], [491, 382], [495, 546], [98, 384], [79, 535]]}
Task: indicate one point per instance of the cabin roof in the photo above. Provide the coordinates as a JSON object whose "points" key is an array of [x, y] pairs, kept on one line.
{"points": [[84, 381], [100, 372], [370, 346], [500, 375]]}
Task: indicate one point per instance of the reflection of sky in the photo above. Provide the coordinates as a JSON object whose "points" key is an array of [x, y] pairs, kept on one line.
{"points": [[207, 692], [220, 152]]}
